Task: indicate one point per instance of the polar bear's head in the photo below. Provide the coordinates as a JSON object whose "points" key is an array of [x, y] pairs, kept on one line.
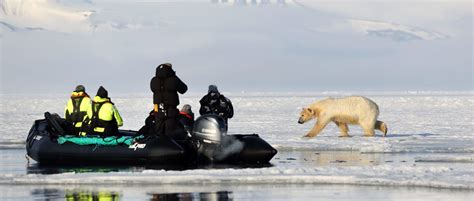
{"points": [[306, 115]]}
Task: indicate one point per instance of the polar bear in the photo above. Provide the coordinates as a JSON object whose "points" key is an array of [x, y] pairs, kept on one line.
{"points": [[342, 111]]}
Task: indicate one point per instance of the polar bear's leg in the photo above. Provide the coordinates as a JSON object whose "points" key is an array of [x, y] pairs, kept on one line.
{"points": [[368, 130], [368, 124], [343, 128], [318, 127]]}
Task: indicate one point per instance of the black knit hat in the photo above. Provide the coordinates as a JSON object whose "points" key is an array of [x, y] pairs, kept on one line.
{"points": [[80, 88], [213, 88], [169, 65], [102, 92]]}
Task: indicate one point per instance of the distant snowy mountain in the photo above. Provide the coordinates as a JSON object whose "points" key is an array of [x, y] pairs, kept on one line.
{"points": [[42, 15], [393, 31], [7, 26], [66, 16], [71, 16]]}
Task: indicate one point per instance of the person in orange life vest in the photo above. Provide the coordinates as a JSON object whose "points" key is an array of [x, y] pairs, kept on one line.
{"points": [[187, 117]]}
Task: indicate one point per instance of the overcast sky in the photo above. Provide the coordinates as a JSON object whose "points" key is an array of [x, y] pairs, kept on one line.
{"points": [[302, 46]]}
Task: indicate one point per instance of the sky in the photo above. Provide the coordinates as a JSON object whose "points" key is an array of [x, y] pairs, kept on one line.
{"points": [[303, 45]]}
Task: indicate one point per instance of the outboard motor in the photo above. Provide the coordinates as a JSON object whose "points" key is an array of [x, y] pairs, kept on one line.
{"points": [[208, 132]]}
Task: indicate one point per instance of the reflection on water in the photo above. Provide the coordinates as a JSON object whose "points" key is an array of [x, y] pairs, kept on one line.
{"points": [[104, 195], [205, 196], [290, 159], [47, 194], [282, 159], [99, 196], [73, 195], [339, 158], [37, 168]]}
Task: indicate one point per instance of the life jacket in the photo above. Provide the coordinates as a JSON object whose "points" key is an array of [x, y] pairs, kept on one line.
{"points": [[101, 126], [77, 116], [186, 115], [186, 120]]}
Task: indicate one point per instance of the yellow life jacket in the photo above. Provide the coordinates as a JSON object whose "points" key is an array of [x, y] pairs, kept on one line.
{"points": [[103, 114], [76, 108]]}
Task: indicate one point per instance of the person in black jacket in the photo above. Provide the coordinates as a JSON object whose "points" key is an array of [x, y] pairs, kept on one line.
{"points": [[149, 128], [166, 86], [216, 103], [185, 117]]}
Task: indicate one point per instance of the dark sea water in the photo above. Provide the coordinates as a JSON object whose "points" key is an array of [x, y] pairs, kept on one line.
{"points": [[14, 162]]}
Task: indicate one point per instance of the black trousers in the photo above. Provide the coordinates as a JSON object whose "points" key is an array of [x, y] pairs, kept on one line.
{"points": [[172, 128], [167, 124], [76, 130]]}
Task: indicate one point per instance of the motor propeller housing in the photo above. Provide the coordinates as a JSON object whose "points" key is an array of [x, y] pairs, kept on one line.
{"points": [[209, 131]]}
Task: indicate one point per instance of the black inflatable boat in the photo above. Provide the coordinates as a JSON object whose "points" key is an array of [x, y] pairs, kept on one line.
{"points": [[208, 143]]}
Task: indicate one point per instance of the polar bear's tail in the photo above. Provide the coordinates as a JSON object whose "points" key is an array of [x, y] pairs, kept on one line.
{"points": [[380, 125]]}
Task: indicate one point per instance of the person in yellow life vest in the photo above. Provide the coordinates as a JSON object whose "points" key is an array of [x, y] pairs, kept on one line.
{"points": [[104, 116], [76, 108]]}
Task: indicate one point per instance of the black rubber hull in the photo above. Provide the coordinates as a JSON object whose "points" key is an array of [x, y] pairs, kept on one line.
{"points": [[255, 151], [156, 151], [45, 150]]}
